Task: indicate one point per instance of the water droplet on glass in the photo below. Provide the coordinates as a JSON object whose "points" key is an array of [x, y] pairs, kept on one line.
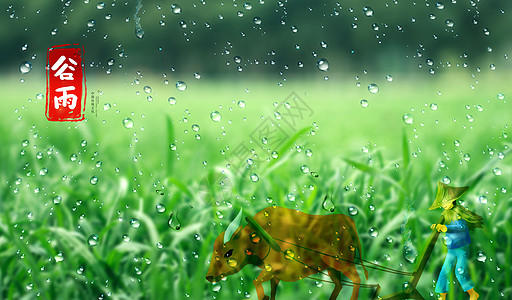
{"points": [[328, 205], [241, 104], [373, 232], [59, 257], [254, 177], [57, 200], [173, 222], [25, 67], [92, 240], [501, 96], [215, 116], [496, 171], [368, 11], [322, 64], [160, 207], [364, 103], [439, 5], [256, 20], [410, 254], [91, 23], [147, 89], [181, 85], [43, 171], [449, 23], [216, 287], [94, 180], [352, 210], [172, 101], [175, 8], [482, 199], [373, 88], [107, 106], [289, 254], [197, 76], [128, 123], [135, 223], [304, 169], [408, 119], [290, 197], [482, 257]]}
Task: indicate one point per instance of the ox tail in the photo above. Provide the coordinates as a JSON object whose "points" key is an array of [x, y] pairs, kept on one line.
{"points": [[355, 238]]}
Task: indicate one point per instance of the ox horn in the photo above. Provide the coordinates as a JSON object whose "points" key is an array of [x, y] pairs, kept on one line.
{"points": [[233, 226]]}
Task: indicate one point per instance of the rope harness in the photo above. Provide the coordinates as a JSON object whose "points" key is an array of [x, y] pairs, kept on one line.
{"points": [[346, 282]]}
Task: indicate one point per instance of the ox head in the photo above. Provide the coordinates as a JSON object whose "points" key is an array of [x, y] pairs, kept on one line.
{"points": [[229, 251]]}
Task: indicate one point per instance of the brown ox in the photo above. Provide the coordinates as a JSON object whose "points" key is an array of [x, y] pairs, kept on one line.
{"points": [[289, 245]]}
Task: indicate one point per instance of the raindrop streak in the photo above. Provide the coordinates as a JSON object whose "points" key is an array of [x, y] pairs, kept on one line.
{"points": [[322, 64], [128, 123], [215, 116], [173, 222], [25, 67], [139, 32]]}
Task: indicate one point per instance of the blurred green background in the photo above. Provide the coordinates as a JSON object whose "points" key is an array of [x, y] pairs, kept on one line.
{"points": [[414, 92]]}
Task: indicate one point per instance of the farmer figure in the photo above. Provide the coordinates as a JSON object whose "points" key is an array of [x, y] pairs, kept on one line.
{"points": [[458, 221]]}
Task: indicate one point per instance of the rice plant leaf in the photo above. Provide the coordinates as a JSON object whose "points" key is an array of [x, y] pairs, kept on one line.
{"points": [[287, 145], [367, 169]]}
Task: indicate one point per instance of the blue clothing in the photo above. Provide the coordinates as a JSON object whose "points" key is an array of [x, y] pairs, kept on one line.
{"points": [[457, 235], [460, 257]]}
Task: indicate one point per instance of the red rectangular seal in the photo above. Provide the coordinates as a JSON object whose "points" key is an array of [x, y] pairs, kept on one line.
{"points": [[65, 83]]}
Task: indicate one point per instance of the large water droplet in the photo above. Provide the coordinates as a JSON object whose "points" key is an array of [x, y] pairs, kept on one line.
{"points": [[181, 85], [254, 177], [57, 200], [92, 240], [368, 11], [147, 89], [408, 119], [482, 199], [215, 116], [91, 23], [446, 180], [328, 205], [135, 223], [290, 197], [128, 123], [289, 254], [256, 20], [25, 67], [175, 8], [496, 171], [322, 64], [216, 287], [482, 257], [173, 222], [373, 88], [160, 207], [94, 180], [352, 210], [59, 257], [373, 232]]}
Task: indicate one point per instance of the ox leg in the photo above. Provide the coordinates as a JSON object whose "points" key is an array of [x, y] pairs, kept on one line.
{"points": [[335, 276], [258, 284], [273, 287], [351, 272]]}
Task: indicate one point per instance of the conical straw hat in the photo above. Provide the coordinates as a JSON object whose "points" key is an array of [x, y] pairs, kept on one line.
{"points": [[446, 193]]}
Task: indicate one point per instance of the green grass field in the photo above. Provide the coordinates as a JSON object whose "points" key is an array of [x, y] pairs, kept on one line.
{"points": [[78, 207]]}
